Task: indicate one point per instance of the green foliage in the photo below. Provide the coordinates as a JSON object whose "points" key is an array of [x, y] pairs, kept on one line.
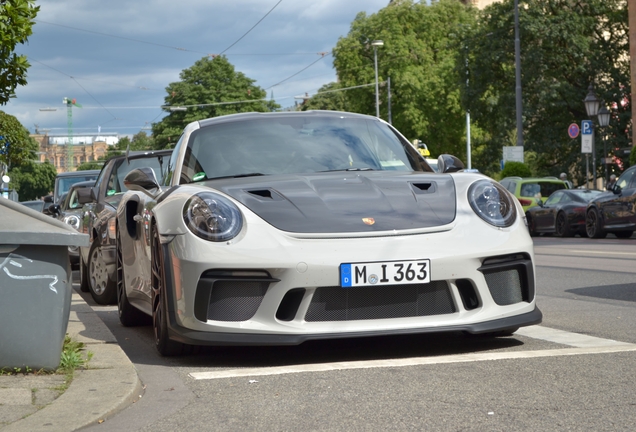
{"points": [[33, 180], [93, 165], [565, 45], [73, 356], [515, 169], [328, 97], [16, 22], [420, 53], [16, 147], [207, 82]]}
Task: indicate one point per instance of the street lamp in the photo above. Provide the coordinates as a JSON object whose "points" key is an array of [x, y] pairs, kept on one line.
{"points": [[592, 104], [376, 44], [603, 121]]}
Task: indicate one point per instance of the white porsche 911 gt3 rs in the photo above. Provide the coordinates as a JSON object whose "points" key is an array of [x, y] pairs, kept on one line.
{"points": [[277, 228]]}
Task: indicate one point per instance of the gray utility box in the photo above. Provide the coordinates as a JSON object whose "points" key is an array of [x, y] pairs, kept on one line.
{"points": [[35, 286]]}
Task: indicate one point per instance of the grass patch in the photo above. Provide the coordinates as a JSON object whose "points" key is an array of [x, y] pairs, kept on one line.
{"points": [[73, 357]]}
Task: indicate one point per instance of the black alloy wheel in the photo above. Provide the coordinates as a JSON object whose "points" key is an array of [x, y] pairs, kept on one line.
{"points": [[129, 316], [531, 227], [164, 345], [561, 226], [593, 225], [623, 234]]}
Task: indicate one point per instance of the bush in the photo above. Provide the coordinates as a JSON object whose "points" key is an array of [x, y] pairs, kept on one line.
{"points": [[515, 169]]}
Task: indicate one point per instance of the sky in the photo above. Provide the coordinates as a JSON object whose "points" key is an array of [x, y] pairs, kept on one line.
{"points": [[116, 57]]}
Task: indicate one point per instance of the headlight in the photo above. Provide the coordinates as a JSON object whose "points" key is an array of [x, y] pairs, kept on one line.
{"points": [[73, 221], [212, 217], [492, 203]]}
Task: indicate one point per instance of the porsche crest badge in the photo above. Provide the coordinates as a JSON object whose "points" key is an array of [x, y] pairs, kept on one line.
{"points": [[368, 221]]}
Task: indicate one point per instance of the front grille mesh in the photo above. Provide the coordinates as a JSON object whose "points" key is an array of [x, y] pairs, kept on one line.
{"points": [[505, 286], [235, 300], [380, 302]]}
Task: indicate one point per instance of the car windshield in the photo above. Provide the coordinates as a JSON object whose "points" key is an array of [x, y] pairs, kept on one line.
{"points": [[296, 144], [65, 183]]}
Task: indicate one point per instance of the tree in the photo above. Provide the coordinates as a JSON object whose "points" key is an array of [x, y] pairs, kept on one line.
{"points": [[33, 180], [518, 169], [15, 27], [565, 45], [328, 97], [16, 147], [419, 55], [210, 88]]}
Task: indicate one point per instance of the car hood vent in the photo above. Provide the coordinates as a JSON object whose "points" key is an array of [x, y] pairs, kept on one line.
{"points": [[346, 202]]}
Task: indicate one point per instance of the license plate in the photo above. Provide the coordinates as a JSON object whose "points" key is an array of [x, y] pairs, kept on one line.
{"points": [[385, 273]]}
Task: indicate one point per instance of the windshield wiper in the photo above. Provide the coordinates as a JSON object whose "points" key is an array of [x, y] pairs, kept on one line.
{"points": [[351, 169], [238, 176]]}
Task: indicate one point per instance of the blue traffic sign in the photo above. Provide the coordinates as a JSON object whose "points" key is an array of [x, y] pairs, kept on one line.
{"points": [[587, 128], [573, 130]]}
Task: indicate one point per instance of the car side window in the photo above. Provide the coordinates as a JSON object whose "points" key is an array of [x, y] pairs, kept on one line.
{"points": [[624, 180], [556, 198]]}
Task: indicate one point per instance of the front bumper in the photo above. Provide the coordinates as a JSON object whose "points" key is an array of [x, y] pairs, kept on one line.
{"points": [[276, 289]]}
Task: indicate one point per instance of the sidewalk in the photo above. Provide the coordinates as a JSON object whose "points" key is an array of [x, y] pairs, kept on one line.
{"points": [[109, 385]]}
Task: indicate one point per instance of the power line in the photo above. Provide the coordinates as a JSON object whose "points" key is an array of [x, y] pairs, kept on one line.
{"points": [[302, 70], [246, 33]]}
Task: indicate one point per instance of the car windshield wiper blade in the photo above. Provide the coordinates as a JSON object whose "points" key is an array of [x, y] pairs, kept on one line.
{"points": [[238, 176], [351, 169]]}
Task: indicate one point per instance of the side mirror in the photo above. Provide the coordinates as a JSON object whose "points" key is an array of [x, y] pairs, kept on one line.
{"points": [[142, 180], [54, 209], [617, 189], [448, 163], [84, 196]]}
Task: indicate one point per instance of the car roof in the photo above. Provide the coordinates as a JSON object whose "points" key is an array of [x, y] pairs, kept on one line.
{"points": [[260, 115], [78, 173], [142, 154]]}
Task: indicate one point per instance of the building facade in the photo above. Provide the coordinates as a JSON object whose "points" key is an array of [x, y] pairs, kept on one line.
{"points": [[84, 149]]}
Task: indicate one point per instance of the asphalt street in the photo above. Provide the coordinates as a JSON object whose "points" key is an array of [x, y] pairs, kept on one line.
{"points": [[576, 371]]}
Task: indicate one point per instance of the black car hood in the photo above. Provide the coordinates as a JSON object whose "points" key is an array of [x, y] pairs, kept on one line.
{"points": [[346, 202]]}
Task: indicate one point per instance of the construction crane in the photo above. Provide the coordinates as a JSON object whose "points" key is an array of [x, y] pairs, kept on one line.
{"points": [[70, 103]]}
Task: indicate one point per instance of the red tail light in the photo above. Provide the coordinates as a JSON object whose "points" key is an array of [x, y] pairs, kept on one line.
{"points": [[525, 202], [579, 209]]}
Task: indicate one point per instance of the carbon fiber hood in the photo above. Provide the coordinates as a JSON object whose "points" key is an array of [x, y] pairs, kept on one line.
{"points": [[346, 202]]}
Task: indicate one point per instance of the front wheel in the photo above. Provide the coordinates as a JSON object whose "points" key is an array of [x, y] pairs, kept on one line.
{"points": [[561, 226], [531, 226], [623, 234], [593, 225], [102, 288]]}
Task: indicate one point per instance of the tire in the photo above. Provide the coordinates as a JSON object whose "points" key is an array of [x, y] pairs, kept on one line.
{"points": [[561, 226], [531, 228], [163, 343], [593, 225], [129, 316], [83, 271], [623, 234], [102, 288]]}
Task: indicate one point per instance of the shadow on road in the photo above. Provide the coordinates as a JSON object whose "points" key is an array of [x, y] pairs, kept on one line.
{"points": [[623, 292]]}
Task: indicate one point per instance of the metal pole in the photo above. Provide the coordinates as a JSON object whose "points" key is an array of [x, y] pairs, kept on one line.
{"points": [[604, 138], [468, 139], [594, 159], [587, 170], [377, 97], [518, 77], [388, 90]]}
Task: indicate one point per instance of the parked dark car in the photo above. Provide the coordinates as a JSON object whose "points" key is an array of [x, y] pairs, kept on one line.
{"points": [[562, 214], [64, 181], [614, 211], [97, 261], [69, 210]]}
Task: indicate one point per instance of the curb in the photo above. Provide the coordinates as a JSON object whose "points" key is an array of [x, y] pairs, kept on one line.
{"points": [[109, 385]]}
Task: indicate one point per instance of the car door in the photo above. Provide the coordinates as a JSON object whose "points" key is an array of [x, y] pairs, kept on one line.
{"points": [[546, 216], [619, 210]]}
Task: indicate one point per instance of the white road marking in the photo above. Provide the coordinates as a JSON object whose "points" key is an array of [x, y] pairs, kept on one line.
{"points": [[579, 344], [583, 251]]}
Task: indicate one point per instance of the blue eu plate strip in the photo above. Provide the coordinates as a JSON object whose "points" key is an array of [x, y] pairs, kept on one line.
{"points": [[345, 275]]}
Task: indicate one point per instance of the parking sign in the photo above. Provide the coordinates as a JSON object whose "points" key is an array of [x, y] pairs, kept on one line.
{"points": [[587, 136]]}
